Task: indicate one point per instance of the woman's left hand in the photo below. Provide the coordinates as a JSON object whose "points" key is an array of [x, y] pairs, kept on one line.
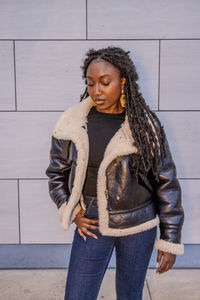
{"points": [[168, 260]]}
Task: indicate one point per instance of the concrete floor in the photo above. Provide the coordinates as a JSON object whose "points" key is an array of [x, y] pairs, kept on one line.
{"points": [[49, 284]]}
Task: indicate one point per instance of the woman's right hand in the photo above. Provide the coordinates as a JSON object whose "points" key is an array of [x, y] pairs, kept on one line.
{"points": [[84, 224]]}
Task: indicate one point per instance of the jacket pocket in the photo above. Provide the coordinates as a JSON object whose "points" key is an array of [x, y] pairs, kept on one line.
{"points": [[133, 217]]}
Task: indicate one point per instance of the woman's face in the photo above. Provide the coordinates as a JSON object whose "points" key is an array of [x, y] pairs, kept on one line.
{"points": [[104, 86]]}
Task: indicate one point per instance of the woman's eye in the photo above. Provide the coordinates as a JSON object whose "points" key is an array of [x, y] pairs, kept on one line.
{"points": [[103, 83]]}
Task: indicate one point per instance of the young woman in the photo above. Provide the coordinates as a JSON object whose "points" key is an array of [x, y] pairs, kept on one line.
{"points": [[111, 172]]}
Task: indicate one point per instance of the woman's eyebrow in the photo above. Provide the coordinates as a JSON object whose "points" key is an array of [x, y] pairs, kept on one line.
{"points": [[100, 76]]}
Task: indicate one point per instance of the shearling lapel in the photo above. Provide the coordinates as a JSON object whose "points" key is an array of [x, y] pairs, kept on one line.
{"points": [[72, 121]]}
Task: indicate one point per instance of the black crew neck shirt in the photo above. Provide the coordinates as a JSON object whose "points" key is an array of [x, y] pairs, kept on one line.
{"points": [[101, 128]]}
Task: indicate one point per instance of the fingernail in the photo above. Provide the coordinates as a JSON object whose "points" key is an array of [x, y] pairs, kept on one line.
{"points": [[96, 237], [85, 239], [157, 264]]}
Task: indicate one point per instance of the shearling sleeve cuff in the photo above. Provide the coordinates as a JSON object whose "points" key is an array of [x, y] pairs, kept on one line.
{"points": [[170, 247], [61, 211]]}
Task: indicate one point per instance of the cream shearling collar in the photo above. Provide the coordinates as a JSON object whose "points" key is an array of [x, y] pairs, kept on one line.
{"points": [[76, 117]]}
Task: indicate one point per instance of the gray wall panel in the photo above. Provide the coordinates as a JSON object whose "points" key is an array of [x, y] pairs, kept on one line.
{"points": [[39, 215], [25, 143], [9, 226], [179, 75], [143, 19], [191, 205], [25, 19], [49, 74], [49, 77], [7, 94], [182, 129]]}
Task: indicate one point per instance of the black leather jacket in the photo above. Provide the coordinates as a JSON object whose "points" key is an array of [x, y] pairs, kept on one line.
{"points": [[125, 207]]}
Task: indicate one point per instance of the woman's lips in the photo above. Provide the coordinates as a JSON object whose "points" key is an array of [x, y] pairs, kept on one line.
{"points": [[99, 101]]}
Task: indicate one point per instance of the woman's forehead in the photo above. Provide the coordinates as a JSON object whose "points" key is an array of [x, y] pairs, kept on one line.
{"points": [[101, 67]]}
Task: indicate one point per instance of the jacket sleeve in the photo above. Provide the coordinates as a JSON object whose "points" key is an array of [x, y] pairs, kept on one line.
{"points": [[58, 172], [169, 205]]}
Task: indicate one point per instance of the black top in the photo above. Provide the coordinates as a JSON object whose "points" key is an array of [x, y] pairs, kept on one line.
{"points": [[101, 128]]}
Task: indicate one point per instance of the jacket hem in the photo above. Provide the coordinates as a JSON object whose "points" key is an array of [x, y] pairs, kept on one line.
{"points": [[131, 230], [170, 247]]}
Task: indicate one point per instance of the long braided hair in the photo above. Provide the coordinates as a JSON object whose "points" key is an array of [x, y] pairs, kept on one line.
{"points": [[148, 139]]}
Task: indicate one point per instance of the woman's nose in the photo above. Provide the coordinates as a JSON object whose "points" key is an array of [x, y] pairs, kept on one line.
{"points": [[97, 89]]}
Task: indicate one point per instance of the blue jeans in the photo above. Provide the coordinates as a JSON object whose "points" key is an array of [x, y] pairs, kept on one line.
{"points": [[89, 260]]}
